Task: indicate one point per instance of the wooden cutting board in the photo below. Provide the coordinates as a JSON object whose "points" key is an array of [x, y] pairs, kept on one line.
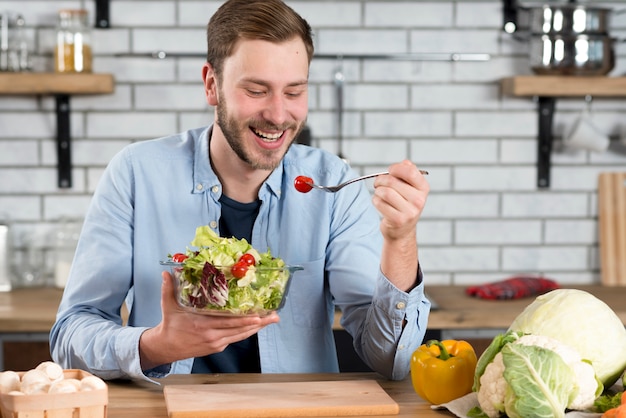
{"points": [[612, 227], [280, 399]]}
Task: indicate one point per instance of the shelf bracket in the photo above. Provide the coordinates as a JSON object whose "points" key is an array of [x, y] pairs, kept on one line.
{"points": [[545, 107], [102, 14], [63, 139], [509, 15]]}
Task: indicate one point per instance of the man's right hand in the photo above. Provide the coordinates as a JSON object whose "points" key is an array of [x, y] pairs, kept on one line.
{"points": [[181, 335]]}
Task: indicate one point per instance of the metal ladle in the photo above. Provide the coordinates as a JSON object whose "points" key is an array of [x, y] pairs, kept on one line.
{"points": [[339, 80]]}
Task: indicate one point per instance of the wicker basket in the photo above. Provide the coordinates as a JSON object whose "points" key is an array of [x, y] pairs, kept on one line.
{"points": [[86, 404]]}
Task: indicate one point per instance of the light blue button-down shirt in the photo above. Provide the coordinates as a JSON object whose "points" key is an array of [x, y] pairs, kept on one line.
{"points": [[150, 200]]}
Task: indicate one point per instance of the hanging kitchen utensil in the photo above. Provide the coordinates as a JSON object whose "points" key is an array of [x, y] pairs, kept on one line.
{"points": [[584, 134], [338, 81]]}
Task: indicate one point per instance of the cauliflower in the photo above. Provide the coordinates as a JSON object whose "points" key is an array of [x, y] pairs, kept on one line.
{"points": [[549, 374], [493, 388]]}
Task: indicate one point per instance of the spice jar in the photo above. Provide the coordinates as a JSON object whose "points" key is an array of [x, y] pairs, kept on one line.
{"points": [[73, 48]]}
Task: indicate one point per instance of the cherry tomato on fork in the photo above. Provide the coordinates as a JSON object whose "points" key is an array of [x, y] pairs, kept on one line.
{"points": [[179, 257], [303, 184]]}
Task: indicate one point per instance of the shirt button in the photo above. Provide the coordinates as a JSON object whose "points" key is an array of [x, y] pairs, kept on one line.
{"points": [[213, 224], [400, 305], [199, 187], [215, 189], [401, 347]]}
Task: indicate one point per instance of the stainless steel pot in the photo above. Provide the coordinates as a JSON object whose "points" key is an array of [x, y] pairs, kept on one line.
{"points": [[588, 55], [567, 19]]}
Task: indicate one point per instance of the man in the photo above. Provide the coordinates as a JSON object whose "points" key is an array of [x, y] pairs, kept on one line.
{"points": [[359, 252]]}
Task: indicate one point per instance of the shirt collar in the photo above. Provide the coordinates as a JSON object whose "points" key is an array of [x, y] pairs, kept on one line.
{"points": [[205, 178]]}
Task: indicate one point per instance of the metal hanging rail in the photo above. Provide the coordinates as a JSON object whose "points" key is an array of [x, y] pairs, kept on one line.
{"points": [[450, 57]]}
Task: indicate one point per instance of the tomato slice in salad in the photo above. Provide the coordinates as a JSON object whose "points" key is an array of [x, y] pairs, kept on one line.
{"points": [[303, 184], [248, 259], [239, 269]]}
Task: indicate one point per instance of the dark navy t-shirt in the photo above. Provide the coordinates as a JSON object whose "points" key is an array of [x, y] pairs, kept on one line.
{"points": [[236, 221]]}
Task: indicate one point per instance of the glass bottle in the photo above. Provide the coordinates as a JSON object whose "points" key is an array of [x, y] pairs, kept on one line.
{"points": [[73, 47], [19, 59]]}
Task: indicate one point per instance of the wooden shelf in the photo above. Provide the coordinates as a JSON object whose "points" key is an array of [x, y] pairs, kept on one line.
{"points": [[53, 83], [62, 86], [547, 89], [564, 86]]}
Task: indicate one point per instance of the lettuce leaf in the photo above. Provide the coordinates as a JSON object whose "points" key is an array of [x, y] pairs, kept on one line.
{"points": [[541, 384]]}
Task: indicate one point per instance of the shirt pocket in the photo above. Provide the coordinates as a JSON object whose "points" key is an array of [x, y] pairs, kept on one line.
{"points": [[307, 295]]}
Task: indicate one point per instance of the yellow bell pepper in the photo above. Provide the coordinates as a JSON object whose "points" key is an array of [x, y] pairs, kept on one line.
{"points": [[443, 370]]}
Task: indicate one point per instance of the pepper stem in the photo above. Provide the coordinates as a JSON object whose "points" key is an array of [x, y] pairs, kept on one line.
{"points": [[443, 352]]}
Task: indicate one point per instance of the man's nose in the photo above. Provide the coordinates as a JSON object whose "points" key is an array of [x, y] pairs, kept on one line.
{"points": [[276, 109]]}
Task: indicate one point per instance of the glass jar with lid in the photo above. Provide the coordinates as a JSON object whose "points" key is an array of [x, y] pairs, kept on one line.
{"points": [[73, 46]]}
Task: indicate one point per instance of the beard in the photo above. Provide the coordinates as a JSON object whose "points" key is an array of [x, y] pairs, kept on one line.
{"points": [[235, 131]]}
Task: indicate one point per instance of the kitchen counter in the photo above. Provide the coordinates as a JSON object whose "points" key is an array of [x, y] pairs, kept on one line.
{"points": [[143, 399], [29, 309], [458, 311], [34, 309]]}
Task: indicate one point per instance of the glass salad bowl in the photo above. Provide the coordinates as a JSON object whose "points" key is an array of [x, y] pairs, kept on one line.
{"points": [[223, 291]]}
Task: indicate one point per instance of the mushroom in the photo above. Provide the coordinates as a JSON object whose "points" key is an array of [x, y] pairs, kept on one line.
{"points": [[52, 370], [33, 377], [65, 386], [36, 387], [92, 383], [9, 381]]}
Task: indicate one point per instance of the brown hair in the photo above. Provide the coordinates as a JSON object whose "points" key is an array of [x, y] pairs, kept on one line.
{"points": [[270, 20]]}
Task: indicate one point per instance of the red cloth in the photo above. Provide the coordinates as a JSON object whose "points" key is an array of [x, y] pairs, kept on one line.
{"points": [[513, 288]]}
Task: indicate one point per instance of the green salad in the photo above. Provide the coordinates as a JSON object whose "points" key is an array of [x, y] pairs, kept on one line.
{"points": [[227, 275]]}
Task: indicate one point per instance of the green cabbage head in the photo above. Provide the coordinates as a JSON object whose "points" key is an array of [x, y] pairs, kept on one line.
{"points": [[582, 321]]}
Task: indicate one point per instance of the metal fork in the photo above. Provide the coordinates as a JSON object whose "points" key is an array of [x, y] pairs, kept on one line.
{"points": [[333, 189]]}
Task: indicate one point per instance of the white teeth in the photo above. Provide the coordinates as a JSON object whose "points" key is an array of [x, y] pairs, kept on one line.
{"points": [[268, 137]]}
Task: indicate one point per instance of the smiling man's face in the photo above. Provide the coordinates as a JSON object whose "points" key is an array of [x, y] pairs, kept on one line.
{"points": [[262, 99]]}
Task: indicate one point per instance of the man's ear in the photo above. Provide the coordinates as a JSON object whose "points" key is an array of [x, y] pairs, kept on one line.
{"points": [[210, 84]]}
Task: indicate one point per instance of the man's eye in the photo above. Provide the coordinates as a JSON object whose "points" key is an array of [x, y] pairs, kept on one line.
{"points": [[295, 93], [255, 92]]}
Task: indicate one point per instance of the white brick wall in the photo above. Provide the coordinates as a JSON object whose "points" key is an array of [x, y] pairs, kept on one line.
{"points": [[485, 219]]}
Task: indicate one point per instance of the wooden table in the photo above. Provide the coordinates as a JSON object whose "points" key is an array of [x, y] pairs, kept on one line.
{"points": [[143, 399]]}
